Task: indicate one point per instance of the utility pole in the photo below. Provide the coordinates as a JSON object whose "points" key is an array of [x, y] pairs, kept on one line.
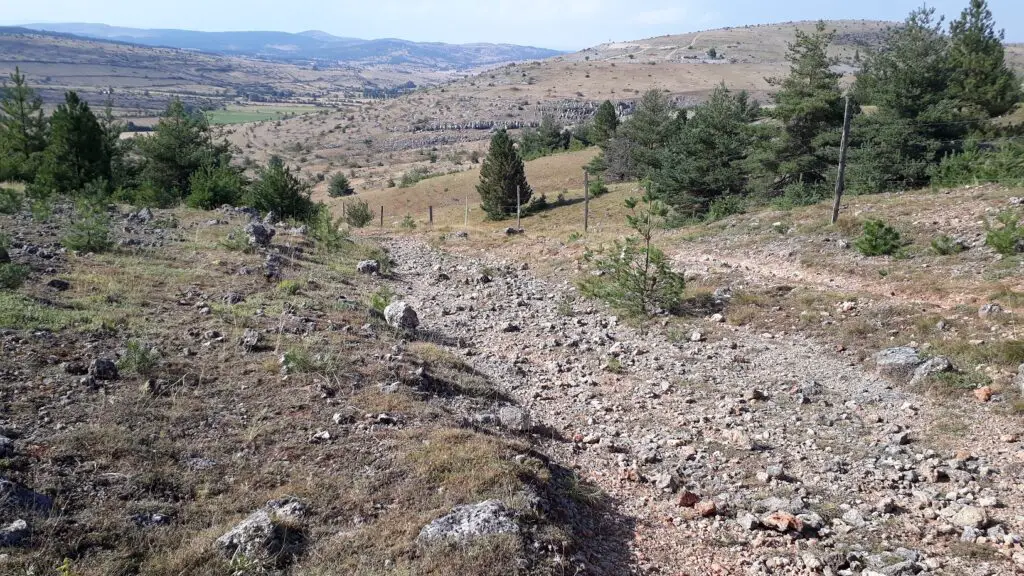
{"points": [[519, 210], [841, 180], [586, 200]]}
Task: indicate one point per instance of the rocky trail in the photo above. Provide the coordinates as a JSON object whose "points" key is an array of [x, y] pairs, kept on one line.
{"points": [[720, 450]]}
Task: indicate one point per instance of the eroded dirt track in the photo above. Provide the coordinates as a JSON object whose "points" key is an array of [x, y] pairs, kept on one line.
{"points": [[730, 451]]}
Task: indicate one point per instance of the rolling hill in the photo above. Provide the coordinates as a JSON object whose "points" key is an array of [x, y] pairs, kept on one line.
{"points": [[311, 46]]}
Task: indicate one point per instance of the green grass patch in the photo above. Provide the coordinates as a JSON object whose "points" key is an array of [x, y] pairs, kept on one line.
{"points": [[20, 312], [245, 114], [1002, 352]]}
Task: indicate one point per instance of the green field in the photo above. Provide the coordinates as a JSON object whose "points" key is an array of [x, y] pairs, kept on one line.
{"points": [[243, 114]]}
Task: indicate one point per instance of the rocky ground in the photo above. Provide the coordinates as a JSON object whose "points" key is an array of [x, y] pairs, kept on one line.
{"points": [[217, 394], [730, 450]]}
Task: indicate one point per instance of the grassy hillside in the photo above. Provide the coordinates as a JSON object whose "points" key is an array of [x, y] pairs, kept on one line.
{"points": [[232, 390]]}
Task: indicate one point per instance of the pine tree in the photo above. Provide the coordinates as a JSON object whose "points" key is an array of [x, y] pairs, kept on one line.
{"points": [[706, 160], [917, 121], [911, 71], [981, 77], [606, 122], [501, 174], [339, 186], [635, 150], [809, 106], [77, 153], [276, 189], [22, 128], [123, 171], [178, 147]]}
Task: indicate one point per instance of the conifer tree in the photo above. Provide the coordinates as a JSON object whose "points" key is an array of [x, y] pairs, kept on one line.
{"points": [[706, 160], [277, 189], [77, 153], [501, 174], [635, 151], [809, 106], [981, 77], [339, 186], [180, 145], [917, 121], [22, 128], [606, 122]]}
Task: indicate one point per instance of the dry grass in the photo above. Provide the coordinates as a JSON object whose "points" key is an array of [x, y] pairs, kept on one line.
{"points": [[131, 449], [448, 194]]}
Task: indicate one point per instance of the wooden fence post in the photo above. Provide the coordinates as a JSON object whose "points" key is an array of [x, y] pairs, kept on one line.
{"points": [[586, 200], [841, 180]]}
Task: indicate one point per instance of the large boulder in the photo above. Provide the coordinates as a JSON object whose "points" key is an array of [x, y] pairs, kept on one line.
{"points": [[275, 530], [936, 365], [515, 419], [259, 234], [103, 369], [14, 496], [13, 533], [469, 522], [970, 517], [401, 315], [368, 267], [898, 363], [990, 310]]}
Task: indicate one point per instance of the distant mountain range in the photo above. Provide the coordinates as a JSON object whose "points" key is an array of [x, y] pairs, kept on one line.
{"points": [[312, 45]]}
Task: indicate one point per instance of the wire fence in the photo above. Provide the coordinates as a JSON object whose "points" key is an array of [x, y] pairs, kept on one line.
{"points": [[761, 184]]}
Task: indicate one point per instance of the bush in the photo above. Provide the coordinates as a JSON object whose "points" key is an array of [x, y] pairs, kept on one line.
{"points": [[339, 186], [327, 232], [797, 195], [90, 230], [358, 214], [944, 245], [237, 241], [408, 223], [411, 177], [10, 201], [139, 358], [145, 195], [12, 276], [725, 206], [536, 205], [878, 239], [1008, 238], [289, 287], [598, 187], [635, 275], [1002, 165], [278, 190], [380, 299], [213, 186]]}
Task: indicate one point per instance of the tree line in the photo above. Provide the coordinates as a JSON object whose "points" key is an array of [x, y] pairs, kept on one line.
{"points": [[76, 153], [926, 108]]}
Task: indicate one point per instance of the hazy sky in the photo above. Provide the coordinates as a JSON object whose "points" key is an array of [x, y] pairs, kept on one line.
{"points": [[562, 24]]}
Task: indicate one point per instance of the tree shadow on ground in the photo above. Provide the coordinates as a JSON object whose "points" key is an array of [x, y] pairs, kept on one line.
{"points": [[601, 535], [700, 305]]}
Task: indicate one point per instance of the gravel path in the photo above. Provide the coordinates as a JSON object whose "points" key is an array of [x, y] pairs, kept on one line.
{"points": [[730, 452]]}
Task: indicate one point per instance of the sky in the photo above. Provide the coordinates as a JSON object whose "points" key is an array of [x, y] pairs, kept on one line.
{"points": [[558, 24]]}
